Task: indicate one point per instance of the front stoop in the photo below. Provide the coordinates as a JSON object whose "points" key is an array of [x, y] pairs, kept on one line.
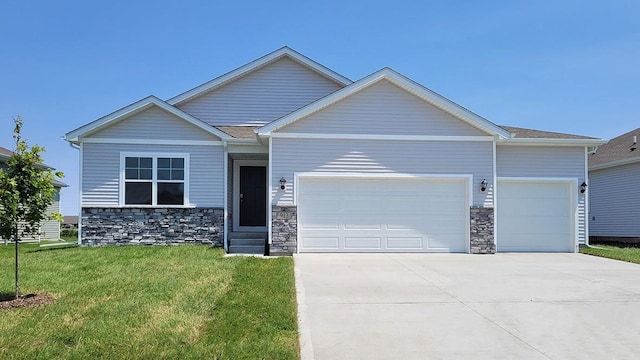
{"points": [[247, 243]]}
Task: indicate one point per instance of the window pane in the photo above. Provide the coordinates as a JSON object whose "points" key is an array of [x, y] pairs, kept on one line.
{"points": [[145, 174], [136, 193], [177, 163], [164, 174], [131, 162], [170, 193], [145, 163], [131, 174], [164, 163], [177, 174]]}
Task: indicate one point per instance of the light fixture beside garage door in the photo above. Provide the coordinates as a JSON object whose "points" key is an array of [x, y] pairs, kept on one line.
{"points": [[283, 181], [483, 185], [583, 187]]}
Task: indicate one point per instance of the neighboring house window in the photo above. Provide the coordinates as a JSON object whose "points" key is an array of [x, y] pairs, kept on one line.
{"points": [[154, 179]]}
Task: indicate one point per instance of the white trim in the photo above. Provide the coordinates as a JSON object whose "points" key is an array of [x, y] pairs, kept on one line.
{"points": [[236, 194], [270, 194], [468, 178], [247, 149], [573, 190], [154, 178], [136, 107], [495, 195], [285, 135], [550, 142], [225, 187], [150, 141], [587, 210], [80, 193], [255, 65], [400, 81], [615, 163]]}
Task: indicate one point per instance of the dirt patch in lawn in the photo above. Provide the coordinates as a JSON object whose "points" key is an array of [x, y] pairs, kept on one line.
{"points": [[8, 301]]}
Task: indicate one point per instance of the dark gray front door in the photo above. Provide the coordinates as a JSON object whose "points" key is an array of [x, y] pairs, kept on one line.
{"points": [[253, 196]]}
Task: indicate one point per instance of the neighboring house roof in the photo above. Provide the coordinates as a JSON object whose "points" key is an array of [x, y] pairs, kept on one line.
{"points": [[137, 107], [620, 150], [70, 219], [255, 65], [5, 154], [399, 80]]}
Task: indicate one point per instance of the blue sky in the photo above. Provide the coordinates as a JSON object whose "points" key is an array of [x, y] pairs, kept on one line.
{"points": [[566, 66]]}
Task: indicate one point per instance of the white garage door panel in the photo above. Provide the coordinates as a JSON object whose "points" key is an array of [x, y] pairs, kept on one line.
{"points": [[535, 216], [379, 215]]}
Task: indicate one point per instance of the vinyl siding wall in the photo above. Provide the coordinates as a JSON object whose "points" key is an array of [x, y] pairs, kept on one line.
{"points": [[549, 161], [615, 201], [383, 109], [378, 157], [261, 96], [101, 172], [154, 123], [50, 229]]}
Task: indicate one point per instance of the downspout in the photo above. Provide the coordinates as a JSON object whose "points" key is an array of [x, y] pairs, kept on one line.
{"points": [[225, 221], [79, 148]]}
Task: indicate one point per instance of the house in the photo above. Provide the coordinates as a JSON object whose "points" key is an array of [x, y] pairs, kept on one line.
{"points": [[614, 174], [50, 229], [286, 152], [70, 222]]}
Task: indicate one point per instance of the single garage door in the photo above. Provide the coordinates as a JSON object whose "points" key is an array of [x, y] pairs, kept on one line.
{"points": [[382, 215], [535, 216]]}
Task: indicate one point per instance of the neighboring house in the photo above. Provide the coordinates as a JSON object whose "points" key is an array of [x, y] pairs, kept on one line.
{"points": [[70, 222], [287, 150], [614, 174], [49, 229]]}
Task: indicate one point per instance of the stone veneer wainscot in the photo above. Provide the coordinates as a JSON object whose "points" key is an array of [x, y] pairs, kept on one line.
{"points": [[284, 230], [152, 226], [481, 231]]}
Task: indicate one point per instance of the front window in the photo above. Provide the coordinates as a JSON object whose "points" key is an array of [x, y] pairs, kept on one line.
{"points": [[154, 180]]}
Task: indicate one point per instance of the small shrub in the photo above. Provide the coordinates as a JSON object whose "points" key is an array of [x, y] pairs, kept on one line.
{"points": [[69, 233]]}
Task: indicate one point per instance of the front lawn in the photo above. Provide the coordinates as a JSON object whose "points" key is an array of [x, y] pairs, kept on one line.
{"points": [[630, 254], [185, 302]]}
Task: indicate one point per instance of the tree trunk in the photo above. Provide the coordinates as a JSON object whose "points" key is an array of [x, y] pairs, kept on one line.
{"points": [[17, 278]]}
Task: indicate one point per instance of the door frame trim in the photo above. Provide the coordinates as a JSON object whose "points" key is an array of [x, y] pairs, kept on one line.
{"points": [[236, 195]]}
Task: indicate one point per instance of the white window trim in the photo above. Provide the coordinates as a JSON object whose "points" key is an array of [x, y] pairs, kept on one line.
{"points": [[154, 178]]}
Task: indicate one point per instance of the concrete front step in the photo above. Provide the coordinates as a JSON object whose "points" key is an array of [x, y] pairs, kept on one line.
{"points": [[246, 242], [247, 235], [246, 249]]}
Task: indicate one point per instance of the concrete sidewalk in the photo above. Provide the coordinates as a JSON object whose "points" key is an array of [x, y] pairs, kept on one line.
{"points": [[458, 306]]}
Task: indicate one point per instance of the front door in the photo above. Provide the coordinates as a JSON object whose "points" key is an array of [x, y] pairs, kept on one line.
{"points": [[253, 196]]}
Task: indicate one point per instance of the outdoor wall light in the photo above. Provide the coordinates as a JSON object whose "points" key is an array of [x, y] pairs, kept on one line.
{"points": [[483, 185], [283, 181], [583, 187]]}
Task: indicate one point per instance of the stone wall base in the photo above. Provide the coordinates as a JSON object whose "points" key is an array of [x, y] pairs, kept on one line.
{"points": [[481, 231], [284, 230], [152, 226]]}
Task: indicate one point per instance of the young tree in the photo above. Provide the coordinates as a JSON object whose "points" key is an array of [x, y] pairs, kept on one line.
{"points": [[26, 190]]}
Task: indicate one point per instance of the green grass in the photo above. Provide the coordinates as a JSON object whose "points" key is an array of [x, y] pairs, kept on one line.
{"points": [[629, 254], [183, 302]]}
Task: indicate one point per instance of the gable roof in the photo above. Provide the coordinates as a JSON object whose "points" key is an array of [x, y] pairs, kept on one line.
{"points": [[135, 108], [402, 82], [519, 133], [618, 151], [255, 65], [5, 154]]}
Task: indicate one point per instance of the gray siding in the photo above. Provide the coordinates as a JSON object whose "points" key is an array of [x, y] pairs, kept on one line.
{"points": [[50, 229], [383, 108], [154, 123], [261, 96], [548, 161], [615, 201], [375, 157], [101, 172]]}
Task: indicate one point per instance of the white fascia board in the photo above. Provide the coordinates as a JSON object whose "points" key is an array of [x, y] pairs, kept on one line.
{"points": [[141, 105], [550, 142], [151, 141], [615, 163], [379, 137], [400, 81], [256, 64]]}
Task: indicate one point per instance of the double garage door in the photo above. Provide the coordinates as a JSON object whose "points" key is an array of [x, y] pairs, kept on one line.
{"points": [[429, 215], [383, 215]]}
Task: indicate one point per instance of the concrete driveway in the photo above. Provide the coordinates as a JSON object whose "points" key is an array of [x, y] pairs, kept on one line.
{"points": [[458, 306]]}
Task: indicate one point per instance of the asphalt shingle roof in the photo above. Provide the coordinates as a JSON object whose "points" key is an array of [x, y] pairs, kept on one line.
{"points": [[539, 134], [618, 148], [239, 132]]}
